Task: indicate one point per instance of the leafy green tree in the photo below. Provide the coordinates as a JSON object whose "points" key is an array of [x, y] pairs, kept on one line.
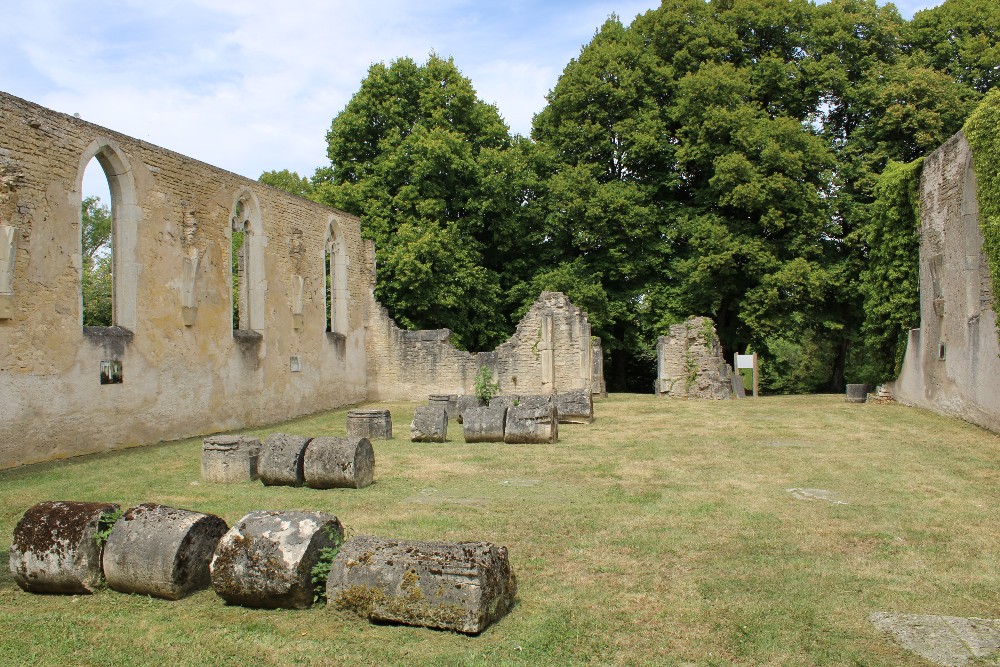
{"points": [[437, 182], [97, 263], [289, 181]]}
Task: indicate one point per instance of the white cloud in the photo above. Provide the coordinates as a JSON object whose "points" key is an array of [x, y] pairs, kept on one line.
{"points": [[249, 87]]}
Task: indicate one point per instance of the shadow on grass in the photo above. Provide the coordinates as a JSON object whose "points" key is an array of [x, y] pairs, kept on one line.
{"points": [[12, 474]]}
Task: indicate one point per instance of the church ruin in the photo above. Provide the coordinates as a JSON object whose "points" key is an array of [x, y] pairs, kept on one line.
{"points": [[208, 335]]}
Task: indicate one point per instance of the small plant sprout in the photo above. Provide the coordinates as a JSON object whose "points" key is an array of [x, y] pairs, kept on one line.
{"points": [[486, 386], [105, 523], [321, 570]]}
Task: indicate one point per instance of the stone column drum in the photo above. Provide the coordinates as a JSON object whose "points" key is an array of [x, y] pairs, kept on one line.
{"points": [[485, 424], [464, 403], [266, 559], [229, 459], [161, 551], [531, 425], [331, 463], [55, 549], [280, 462], [430, 424], [856, 393], [461, 586], [371, 424]]}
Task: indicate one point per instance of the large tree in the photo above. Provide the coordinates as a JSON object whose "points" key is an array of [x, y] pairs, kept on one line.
{"points": [[439, 184]]}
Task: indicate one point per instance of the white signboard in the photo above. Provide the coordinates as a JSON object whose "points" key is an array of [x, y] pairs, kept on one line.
{"points": [[744, 361]]}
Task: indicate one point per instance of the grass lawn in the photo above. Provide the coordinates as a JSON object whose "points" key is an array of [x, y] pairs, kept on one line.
{"points": [[662, 534]]}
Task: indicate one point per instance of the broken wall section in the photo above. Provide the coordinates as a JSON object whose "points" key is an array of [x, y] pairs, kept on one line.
{"points": [[952, 362], [552, 350], [690, 363]]}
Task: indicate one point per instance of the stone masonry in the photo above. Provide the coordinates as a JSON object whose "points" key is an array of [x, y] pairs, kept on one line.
{"points": [[952, 363], [690, 363]]}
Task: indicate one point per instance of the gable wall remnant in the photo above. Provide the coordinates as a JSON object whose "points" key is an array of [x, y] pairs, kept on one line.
{"points": [[185, 371], [952, 362]]}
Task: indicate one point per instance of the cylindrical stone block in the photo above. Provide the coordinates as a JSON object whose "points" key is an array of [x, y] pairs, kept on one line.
{"points": [[161, 551], [371, 424], [266, 559], [461, 586], [484, 424], [857, 393], [55, 549], [229, 459], [531, 425], [280, 462], [339, 463], [430, 424]]}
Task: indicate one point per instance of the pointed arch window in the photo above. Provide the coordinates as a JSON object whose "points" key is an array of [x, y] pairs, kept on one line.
{"points": [[247, 264]]}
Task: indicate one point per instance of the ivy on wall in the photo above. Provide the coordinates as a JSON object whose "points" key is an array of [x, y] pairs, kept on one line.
{"points": [[890, 282], [982, 129]]}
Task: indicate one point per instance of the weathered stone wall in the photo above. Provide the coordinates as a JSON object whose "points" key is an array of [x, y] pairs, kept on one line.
{"points": [[172, 263], [550, 351], [952, 363], [690, 363]]}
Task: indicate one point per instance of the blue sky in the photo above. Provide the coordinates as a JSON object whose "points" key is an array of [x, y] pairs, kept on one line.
{"points": [[250, 85]]}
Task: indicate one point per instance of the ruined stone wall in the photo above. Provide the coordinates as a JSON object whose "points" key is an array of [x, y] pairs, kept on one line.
{"points": [[952, 362], [550, 351], [185, 371], [690, 363]]}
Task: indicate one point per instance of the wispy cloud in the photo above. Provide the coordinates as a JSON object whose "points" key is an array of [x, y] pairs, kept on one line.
{"points": [[251, 86]]}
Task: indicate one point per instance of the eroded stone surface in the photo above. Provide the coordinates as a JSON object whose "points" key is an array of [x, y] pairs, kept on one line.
{"points": [[531, 425], [281, 460], [371, 424], [339, 463], [463, 404], [266, 558], [575, 407], [817, 494], [161, 551], [944, 640], [229, 459], [463, 586], [856, 393], [484, 424], [430, 424], [54, 549], [447, 401]]}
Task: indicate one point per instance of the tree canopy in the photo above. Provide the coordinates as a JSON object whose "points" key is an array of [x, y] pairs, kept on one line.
{"points": [[716, 158]]}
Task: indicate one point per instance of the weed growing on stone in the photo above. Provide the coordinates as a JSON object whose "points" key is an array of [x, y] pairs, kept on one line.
{"points": [[321, 570], [105, 524]]}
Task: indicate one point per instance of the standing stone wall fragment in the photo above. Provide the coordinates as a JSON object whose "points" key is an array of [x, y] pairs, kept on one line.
{"points": [[281, 460], [531, 425], [430, 424], [229, 459], [485, 424], [690, 363], [161, 551], [55, 547], [339, 463], [462, 586], [266, 559], [371, 424]]}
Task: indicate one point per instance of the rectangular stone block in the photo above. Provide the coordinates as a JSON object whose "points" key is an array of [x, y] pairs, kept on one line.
{"points": [[430, 424], [526, 425], [575, 407], [460, 586], [229, 459]]}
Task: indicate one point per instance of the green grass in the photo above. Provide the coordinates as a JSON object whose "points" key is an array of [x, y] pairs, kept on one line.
{"points": [[662, 534]]}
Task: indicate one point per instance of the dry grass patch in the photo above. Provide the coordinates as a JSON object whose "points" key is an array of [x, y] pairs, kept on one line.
{"points": [[664, 533]]}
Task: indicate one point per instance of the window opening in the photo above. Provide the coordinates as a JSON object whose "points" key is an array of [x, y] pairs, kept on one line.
{"points": [[97, 248], [241, 297]]}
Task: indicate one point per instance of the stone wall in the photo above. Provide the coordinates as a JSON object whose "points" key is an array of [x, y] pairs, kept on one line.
{"points": [[185, 371], [952, 362], [690, 363], [551, 351]]}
